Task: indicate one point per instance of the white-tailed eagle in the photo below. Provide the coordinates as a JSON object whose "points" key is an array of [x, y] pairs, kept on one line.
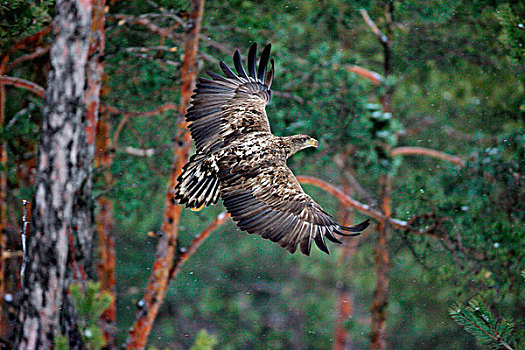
{"points": [[239, 159]]}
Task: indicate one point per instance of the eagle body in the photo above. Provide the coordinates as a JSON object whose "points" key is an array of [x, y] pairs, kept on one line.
{"points": [[240, 160]]}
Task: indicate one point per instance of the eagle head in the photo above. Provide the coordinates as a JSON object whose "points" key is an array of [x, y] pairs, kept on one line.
{"points": [[298, 142]]}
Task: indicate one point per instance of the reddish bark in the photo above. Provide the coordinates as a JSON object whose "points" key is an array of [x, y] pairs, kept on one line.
{"points": [[380, 303], [428, 152], [58, 177], [374, 77], [345, 297], [106, 241], [345, 308], [167, 246]]}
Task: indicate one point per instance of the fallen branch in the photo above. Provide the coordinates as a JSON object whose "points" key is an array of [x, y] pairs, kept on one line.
{"points": [[428, 152], [22, 83]]}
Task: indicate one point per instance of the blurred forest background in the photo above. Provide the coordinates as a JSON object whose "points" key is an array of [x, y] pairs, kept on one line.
{"points": [[419, 109]]}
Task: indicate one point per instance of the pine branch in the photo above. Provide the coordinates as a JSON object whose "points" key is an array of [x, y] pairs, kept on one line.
{"points": [[476, 319]]}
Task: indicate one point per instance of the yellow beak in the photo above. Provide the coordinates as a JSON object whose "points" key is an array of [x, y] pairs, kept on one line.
{"points": [[313, 142]]}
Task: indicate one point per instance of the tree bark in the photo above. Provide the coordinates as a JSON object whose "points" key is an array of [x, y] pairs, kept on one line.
{"points": [[58, 177], [106, 241], [81, 235]]}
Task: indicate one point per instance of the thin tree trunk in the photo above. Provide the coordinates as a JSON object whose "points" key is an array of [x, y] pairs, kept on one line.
{"points": [[106, 242], [345, 297], [58, 177], [167, 246], [384, 231], [3, 211]]}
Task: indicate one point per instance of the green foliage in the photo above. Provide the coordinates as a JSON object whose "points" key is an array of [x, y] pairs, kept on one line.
{"points": [[383, 132], [89, 306], [61, 342], [19, 18], [204, 341], [513, 34], [478, 320], [453, 90]]}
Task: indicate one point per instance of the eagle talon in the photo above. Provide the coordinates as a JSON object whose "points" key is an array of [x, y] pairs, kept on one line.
{"points": [[197, 209]]}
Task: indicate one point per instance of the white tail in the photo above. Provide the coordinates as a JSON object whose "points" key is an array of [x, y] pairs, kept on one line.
{"points": [[198, 185]]}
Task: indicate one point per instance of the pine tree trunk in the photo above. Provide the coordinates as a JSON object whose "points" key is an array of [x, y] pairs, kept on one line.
{"points": [[81, 239], [59, 178]]}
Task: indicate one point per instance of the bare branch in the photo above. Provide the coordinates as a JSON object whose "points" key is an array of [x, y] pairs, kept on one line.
{"points": [[428, 152], [374, 77], [145, 21], [216, 45], [40, 51], [152, 48], [294, 97], [142, 152], [382, 37], [165, 107], [29, 41], [197, 241], [22, 83]]}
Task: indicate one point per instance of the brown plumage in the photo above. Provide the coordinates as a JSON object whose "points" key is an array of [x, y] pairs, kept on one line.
{"points": [[240, 160]]}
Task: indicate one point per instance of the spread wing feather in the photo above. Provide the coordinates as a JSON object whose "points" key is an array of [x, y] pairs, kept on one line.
{"points": [[225, 107], [266, 199]]}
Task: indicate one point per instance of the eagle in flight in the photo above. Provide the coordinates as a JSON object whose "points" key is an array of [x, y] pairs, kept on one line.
{"points": [[239, 159]]}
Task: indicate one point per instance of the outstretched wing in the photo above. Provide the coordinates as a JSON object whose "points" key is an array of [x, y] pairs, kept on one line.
{"points": [[226, 107], [266, 199]]}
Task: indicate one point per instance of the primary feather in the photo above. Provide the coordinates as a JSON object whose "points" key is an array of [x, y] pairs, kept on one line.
{"points": [[240, 160]]}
